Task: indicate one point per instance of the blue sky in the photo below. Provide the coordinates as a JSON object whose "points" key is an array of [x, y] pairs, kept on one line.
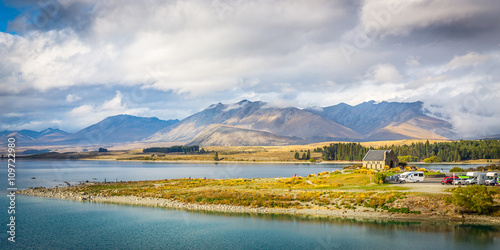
{"points": [[7, 14], [70, 63]]}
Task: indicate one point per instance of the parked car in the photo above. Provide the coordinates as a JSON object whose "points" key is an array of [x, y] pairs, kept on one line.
{"points": [[393, 178], [449, 180], [460, 181]]}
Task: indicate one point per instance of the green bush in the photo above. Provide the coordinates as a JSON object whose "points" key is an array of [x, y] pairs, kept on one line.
{"points": [[432, 159], [457, 169], [403, 210], [474, 199], [380, 178]]}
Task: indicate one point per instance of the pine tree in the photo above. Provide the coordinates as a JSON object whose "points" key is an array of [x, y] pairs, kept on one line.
{"points": [[216, 156], [296, 155]]}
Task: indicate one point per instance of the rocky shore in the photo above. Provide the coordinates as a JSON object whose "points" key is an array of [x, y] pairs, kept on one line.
{"points": [[361, 214]]}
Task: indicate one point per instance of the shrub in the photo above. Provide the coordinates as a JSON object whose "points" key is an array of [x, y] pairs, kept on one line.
{"points": [[380, 178], [474, 199], [395, 170], [432, 159], [456, 169]]}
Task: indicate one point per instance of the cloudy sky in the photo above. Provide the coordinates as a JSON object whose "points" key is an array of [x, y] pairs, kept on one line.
{"points": [[70, 63]]}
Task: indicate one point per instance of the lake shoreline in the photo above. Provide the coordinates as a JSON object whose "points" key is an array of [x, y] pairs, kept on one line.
{"points": [[54, 193], [30, 157]]}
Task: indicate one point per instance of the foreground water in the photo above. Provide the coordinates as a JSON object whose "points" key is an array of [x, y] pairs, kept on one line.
{"points": [[56, 224], [53, 224]]}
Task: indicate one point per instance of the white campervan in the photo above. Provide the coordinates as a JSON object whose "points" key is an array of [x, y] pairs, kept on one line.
{"points": [[492, 179], [477, 178], [411, 177]]}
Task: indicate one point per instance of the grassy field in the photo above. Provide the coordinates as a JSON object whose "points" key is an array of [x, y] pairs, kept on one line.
{"points": [[327, 190]]}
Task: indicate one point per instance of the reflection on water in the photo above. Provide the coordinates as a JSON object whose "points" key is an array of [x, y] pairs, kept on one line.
{"points": [[480, 235], [52, 224]]}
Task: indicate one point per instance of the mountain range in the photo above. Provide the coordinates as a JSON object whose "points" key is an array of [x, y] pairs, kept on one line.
{"points": [[256, 123], [112, 130]]}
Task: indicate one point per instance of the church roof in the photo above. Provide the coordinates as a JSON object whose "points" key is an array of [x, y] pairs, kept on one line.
{"points": [[375, 155]]}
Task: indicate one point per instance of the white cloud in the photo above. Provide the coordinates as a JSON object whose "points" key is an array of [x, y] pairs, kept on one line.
{"points": [[13, 114], [412, 61], [194, 51], [384, 73], [115, 103], [467, 60], [72, 98], [86, 115]]}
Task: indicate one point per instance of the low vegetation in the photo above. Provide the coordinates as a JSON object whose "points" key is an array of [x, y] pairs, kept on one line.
{"points": [[491, 167], [324, 190], [432, 159], [472, 199], [174, 149], [456, 169]]}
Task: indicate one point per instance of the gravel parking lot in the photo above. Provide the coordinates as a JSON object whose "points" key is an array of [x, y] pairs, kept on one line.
{"points": [[429, 185]]}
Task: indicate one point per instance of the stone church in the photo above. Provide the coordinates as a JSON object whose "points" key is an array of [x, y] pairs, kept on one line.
{"points": [[378, 159]]}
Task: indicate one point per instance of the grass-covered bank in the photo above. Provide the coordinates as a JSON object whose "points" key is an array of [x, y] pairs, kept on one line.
{"points": [[326, 194]]}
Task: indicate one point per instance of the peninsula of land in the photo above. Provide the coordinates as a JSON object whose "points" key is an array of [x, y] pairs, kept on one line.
{"points": [[352, 194]]}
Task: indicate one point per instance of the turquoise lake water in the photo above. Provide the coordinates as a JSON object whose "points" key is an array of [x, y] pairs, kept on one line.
{"points": [[43, 223]]}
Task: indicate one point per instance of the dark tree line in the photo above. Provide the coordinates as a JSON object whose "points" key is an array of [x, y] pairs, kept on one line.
{"points": [[447, 151], [450, 151], [304, 155], [343, 152], [174, 149]]}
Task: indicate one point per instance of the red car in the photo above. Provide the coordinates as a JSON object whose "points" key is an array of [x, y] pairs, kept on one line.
{"points": [[448, 180]]}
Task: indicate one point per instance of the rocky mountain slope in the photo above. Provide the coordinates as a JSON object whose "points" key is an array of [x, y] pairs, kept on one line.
{"points": [[388, 120], [290, 122], [224, 135]]}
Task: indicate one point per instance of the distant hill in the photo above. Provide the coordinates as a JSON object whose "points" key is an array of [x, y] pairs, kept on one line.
{"points": [[119, 129], [223, 135], [491, 137], [114, 129], [28, 136], [288, 122]]}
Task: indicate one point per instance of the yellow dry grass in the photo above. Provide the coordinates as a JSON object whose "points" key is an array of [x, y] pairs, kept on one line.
{"points": [[246, 153]]}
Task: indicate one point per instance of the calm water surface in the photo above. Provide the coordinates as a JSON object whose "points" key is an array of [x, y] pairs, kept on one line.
{"points": [[54, 224], [51, 173]]}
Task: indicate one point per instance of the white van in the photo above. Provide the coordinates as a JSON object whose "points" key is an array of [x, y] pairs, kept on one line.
{"points": [[492, 179], [476, 178], [411, 177]]}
